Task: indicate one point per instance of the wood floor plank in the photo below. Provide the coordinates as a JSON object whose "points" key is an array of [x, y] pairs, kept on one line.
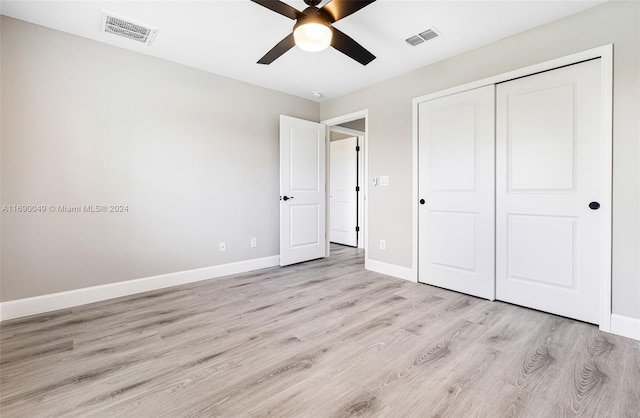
{"points": [[319, 339]]}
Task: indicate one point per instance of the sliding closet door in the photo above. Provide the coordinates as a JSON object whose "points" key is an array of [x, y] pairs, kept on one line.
{"points": [[456, 192], [549, 189]]}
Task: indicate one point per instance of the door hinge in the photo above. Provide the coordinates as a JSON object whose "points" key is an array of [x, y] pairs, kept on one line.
{"points": [[357, 229], [357, 148], [357, 188]]}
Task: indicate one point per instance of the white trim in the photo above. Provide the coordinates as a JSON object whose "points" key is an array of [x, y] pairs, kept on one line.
{"points": [[62, 300], [606, 245], [625, 326], [347, 118], [415, 186], [605, 53], [331, 123], [346, 131], [391, 270]]}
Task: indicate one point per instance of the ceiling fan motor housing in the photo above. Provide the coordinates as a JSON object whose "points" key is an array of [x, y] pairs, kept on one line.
{"points": [[313, 15]]}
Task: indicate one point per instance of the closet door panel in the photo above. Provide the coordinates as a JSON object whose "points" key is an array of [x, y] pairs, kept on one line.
{"points": [[456, 182], [548, 171]]}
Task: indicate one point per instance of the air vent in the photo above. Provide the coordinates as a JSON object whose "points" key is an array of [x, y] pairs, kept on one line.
{"points": [[428, 34], [423, 36], [128, 28], [415, 40]]}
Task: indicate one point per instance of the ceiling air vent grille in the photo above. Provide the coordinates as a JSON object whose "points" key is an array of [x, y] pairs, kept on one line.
{"points": [[415, 40], [128, 28], [423, 36], [428, 34]]}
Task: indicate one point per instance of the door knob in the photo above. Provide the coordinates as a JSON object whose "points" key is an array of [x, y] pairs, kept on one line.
{"points": [[422, 201], [285, 198], [594, 205]]}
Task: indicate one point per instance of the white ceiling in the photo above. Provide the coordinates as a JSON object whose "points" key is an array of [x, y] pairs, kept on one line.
{"points": [[227, 37]]}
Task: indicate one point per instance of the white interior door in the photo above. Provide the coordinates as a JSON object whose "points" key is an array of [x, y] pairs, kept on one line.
{"points": [[343, 197], [456, 190], [302, 190], [549, 170], [361, 193]]}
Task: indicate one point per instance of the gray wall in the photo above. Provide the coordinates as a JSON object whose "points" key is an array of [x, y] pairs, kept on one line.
{"points": [[193, 155], [389, 105]]}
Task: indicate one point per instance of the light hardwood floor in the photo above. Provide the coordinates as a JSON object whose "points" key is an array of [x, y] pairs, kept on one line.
{"points": [[319, 339]]}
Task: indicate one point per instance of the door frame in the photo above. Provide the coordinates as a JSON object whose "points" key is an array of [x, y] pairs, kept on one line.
{"points": [[605, 53], [332, 125], [359, 135]]}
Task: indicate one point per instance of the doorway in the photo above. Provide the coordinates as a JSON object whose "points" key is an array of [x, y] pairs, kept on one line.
{"points": [[344, 190], [353, 129]]}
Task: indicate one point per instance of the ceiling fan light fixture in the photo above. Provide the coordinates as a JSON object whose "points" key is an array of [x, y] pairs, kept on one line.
{"points": [[313, 30], [312, 36]]}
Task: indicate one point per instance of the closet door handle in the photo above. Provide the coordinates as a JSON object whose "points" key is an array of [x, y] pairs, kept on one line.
{"points": [[594, 205], [422, 201]]}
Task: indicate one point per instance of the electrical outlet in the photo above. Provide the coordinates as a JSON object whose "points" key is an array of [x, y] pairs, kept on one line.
{"points": [[383, 244], [223, 246], [254, 242]]}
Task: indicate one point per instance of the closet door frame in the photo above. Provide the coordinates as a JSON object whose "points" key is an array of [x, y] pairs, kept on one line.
{"points": [[605, 53]]}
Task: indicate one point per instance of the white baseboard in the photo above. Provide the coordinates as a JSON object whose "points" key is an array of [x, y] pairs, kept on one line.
{"points": [[391, 270], [62, 300], [625, 326]]}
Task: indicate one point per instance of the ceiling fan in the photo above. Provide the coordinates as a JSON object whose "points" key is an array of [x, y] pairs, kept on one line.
{"points": [[313, 30]]}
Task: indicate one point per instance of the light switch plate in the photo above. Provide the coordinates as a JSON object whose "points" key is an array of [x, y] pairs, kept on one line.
{"points": [[384, 180]]}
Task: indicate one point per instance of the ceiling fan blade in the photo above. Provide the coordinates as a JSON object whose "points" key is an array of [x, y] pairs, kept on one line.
{"points": [[345, 44], [339, 9], [279, 7], [282, 47]]}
